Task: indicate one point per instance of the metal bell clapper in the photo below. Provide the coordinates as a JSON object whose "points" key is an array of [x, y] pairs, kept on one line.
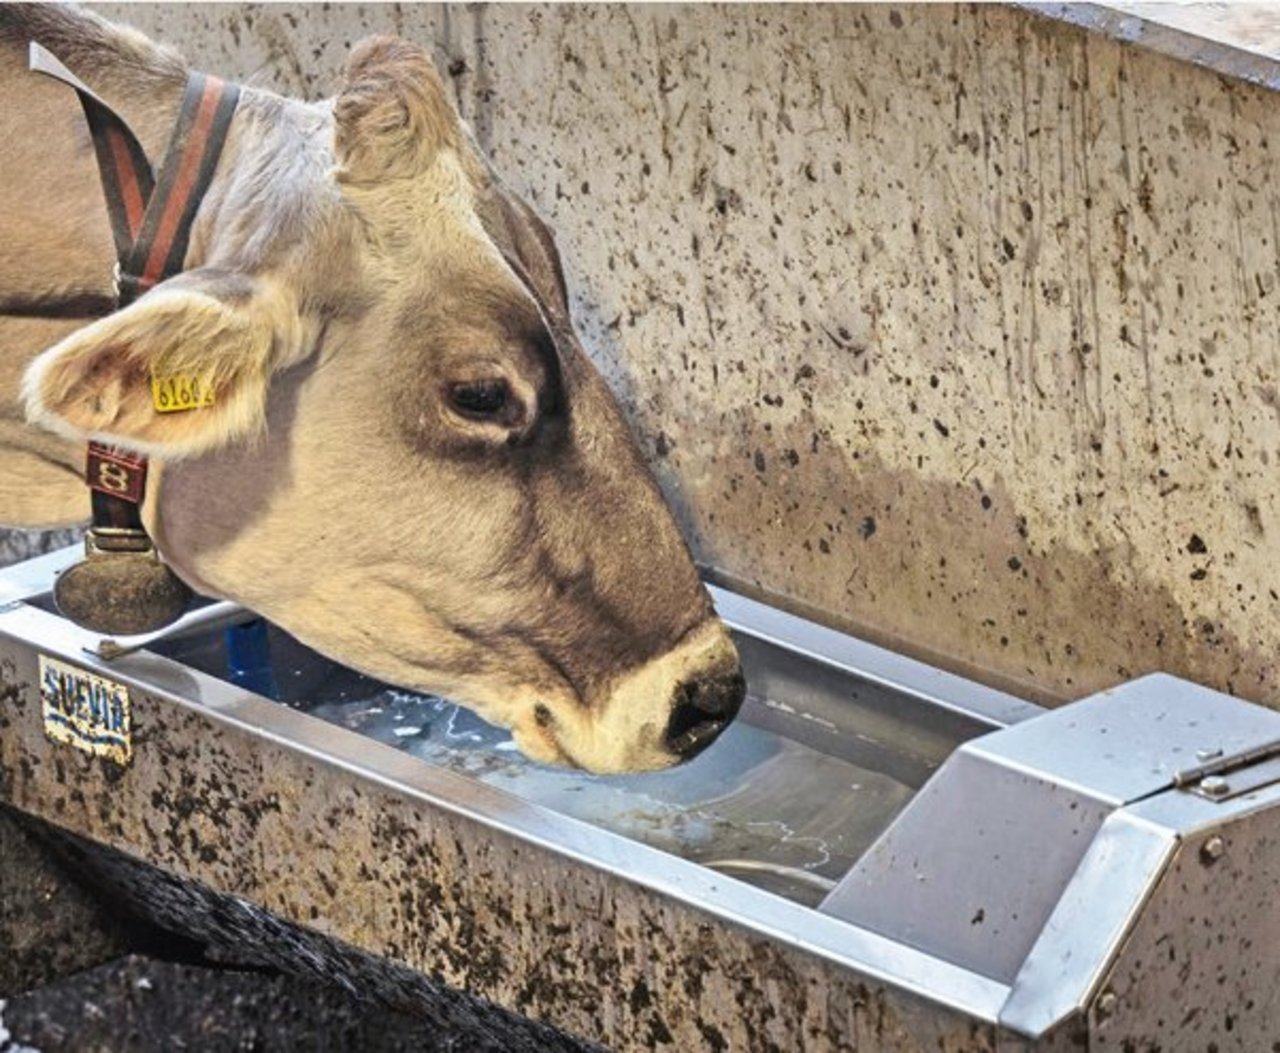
{"points": [[121, 588]]}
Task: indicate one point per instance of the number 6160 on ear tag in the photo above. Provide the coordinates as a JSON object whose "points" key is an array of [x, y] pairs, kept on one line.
{"points": [[173, 394]]}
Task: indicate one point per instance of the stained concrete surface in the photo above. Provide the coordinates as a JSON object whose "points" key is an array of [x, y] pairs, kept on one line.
{"points": [[954, 324]]}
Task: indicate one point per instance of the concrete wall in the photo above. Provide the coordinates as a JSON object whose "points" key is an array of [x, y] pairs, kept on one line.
{"points": [[955, 324]]}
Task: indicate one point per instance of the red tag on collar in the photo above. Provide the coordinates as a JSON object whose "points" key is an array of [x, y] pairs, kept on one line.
{"points": [[115, 472]]}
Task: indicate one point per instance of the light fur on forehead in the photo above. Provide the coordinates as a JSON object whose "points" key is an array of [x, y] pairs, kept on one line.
{"points": [[392, 116]]}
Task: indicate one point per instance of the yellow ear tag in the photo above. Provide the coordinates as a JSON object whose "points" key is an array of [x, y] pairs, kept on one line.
{"points": [[182, 391]]}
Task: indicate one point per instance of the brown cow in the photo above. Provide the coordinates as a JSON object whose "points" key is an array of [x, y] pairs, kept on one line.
{"points": [[410, 463]]}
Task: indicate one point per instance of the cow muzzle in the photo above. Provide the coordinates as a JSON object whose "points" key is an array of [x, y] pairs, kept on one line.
{"points": [[703, 708], [662, 713]]}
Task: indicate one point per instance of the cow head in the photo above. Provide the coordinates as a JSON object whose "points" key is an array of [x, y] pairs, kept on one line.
{"points": [[409, 462]]}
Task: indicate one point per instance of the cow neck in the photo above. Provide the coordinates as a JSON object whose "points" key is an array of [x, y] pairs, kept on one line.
{"points": [[151, 218]]}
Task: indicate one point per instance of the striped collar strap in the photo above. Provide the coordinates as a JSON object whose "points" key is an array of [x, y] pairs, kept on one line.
{"points": [[151, 215], [151, 218], [122, 585]]}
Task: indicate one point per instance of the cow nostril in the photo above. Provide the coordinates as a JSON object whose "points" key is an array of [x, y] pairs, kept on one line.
{"points": [[716, 696], [703, 709], [690, 730]]}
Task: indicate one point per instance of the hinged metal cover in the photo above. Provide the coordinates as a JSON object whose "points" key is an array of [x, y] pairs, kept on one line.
{"points": [[977, 863]]}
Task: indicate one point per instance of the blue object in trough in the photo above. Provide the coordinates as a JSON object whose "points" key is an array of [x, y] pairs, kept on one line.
{"points": [[249, 658]]}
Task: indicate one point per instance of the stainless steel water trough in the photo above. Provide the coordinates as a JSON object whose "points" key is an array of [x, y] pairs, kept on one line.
{"points": [[879, 855]]}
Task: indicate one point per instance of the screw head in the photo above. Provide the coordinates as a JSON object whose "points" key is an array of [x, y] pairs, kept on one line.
{"points": [[1106, 1004], [1213, 849], [1215, 785]]}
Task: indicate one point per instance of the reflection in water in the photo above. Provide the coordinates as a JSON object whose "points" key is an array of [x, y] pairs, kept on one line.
{"points": [[755, 805]]}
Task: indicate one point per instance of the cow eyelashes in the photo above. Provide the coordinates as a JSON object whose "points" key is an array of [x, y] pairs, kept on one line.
{"points": [[480, 399]]}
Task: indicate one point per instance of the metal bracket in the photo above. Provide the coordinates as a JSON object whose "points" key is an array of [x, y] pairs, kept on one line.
{"points": [[1239, 782], [1249, 769], [221, 614]]}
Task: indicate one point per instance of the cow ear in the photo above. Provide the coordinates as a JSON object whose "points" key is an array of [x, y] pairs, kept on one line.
{"points": [[392, 116], [181, 371], [520, 231]]}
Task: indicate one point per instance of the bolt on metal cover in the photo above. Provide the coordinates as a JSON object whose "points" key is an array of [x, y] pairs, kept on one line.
{"points": [[1213, 849], [1215, 785]]}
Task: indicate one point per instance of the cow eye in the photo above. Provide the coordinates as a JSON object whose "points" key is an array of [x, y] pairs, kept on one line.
{"points": [[479, 398]]}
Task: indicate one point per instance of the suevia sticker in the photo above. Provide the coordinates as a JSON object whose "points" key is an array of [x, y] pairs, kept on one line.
{"points": [[86, 711], [179, 392]]}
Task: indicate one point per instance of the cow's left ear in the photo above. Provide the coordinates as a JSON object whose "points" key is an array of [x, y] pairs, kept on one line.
{"points": [[181, 371]]}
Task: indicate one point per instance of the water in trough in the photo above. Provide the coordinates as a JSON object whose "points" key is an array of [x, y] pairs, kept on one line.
{"points": [[759, 805]]}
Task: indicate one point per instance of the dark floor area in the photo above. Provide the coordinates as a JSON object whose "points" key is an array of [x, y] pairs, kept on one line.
{"points": [[103, 954], [138, 1004]]}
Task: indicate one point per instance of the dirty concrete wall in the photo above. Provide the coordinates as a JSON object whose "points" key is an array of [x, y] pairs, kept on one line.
{"points": [[953, 323]]}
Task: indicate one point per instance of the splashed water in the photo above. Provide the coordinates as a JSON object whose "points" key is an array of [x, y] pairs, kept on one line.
{"points": [[756, 805]]}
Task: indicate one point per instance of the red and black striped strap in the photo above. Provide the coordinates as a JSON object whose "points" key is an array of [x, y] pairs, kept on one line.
{"points": [[151, 220], [160, 247], [127, 181], [151, 216]]}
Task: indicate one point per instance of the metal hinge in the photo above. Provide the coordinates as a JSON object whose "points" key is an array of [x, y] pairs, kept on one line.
{"points": [[1221, 776]]}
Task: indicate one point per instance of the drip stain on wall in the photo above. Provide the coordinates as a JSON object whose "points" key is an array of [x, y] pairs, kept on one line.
{"points": [[855, 271]]}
